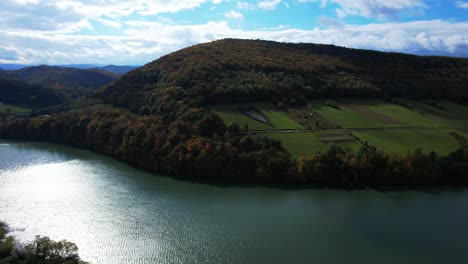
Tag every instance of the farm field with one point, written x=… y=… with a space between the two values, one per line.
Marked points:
x=403 y=141
x=396 y=128
x=14 y=109
x=307 y=143
x=453 y=115
x=280 y=119
x=344 y=117
x=457 y=109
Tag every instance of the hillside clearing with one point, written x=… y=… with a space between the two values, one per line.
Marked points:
x=305 y=143
x=14 y=109
x=404 y=141
x=395 y=127
x=230 y=114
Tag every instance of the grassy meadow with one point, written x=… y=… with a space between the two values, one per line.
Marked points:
x=280 y=119
x=307 y=143
x=396 y=128
x=13 y=109
x=404 y=141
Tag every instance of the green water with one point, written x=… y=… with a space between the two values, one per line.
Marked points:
x=117 y=214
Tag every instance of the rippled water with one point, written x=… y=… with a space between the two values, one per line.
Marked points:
x=117 y=214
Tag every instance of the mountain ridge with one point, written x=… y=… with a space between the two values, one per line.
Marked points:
x=72 y=82
x=233 y=70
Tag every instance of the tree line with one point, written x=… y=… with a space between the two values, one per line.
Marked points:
x=196 y=144
x=161 y=121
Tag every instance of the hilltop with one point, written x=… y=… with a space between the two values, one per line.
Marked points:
x=246 y=110
x=70 y=82
x=234 y=70
x=21 y=93
x=119 y=70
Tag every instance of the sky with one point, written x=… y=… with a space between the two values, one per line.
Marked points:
x=140 y=31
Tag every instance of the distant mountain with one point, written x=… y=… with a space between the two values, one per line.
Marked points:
x=78 y=66
x=71 y=82
x=9 y=67
x=21 y=93
x=120 y=70
x=12 y=67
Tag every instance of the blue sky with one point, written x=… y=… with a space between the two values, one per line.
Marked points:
x=139 y=31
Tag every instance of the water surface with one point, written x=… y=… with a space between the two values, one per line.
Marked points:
x=117 y=214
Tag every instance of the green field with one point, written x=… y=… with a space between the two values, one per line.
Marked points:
x=344 y=117
x=13 y=109
x=411 y=117
x=404 y=141
x=454 y=114
x=278 y=118
x=391 y=127
x=307 y=143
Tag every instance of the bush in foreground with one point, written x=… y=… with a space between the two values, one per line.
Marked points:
x=42 y=250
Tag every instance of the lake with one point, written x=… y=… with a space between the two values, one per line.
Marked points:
x=117 y=214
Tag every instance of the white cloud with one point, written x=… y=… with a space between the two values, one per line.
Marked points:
x=234 y=15
x=110 y=23
x=50 y=31
x=145 y=41
x=462 y=4
x=245 y=5
x=371 y=8
x=25 y=2
x=71 y=15
x=268 y=4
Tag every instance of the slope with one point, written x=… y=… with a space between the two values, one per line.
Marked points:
x=233 y=70
x=71 y=82
x=21 y=93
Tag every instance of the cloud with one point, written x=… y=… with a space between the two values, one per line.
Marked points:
x=37 y=15
x=68 y=15
x=371 y=8
x=8 y=54
x=144 y=41
x=26 y=2
x=110 y=23
x=245 y=5
x=268 y=4
x=234 y=15
x=330 y=22
x=462 y=4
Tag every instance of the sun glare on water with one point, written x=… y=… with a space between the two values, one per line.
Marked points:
x=50 y=181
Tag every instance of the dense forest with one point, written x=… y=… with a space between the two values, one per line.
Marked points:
x=197 y=145
x=22 y=93
x=161 y=118
x=69 y=82
x=234 y=70
x=42 y=250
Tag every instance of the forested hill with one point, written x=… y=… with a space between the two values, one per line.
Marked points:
x=119 y=70
x=71 y=82
x=173 y=129
x=239 y=70
x=22 y=93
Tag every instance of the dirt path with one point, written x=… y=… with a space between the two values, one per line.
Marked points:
x=345 y=129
